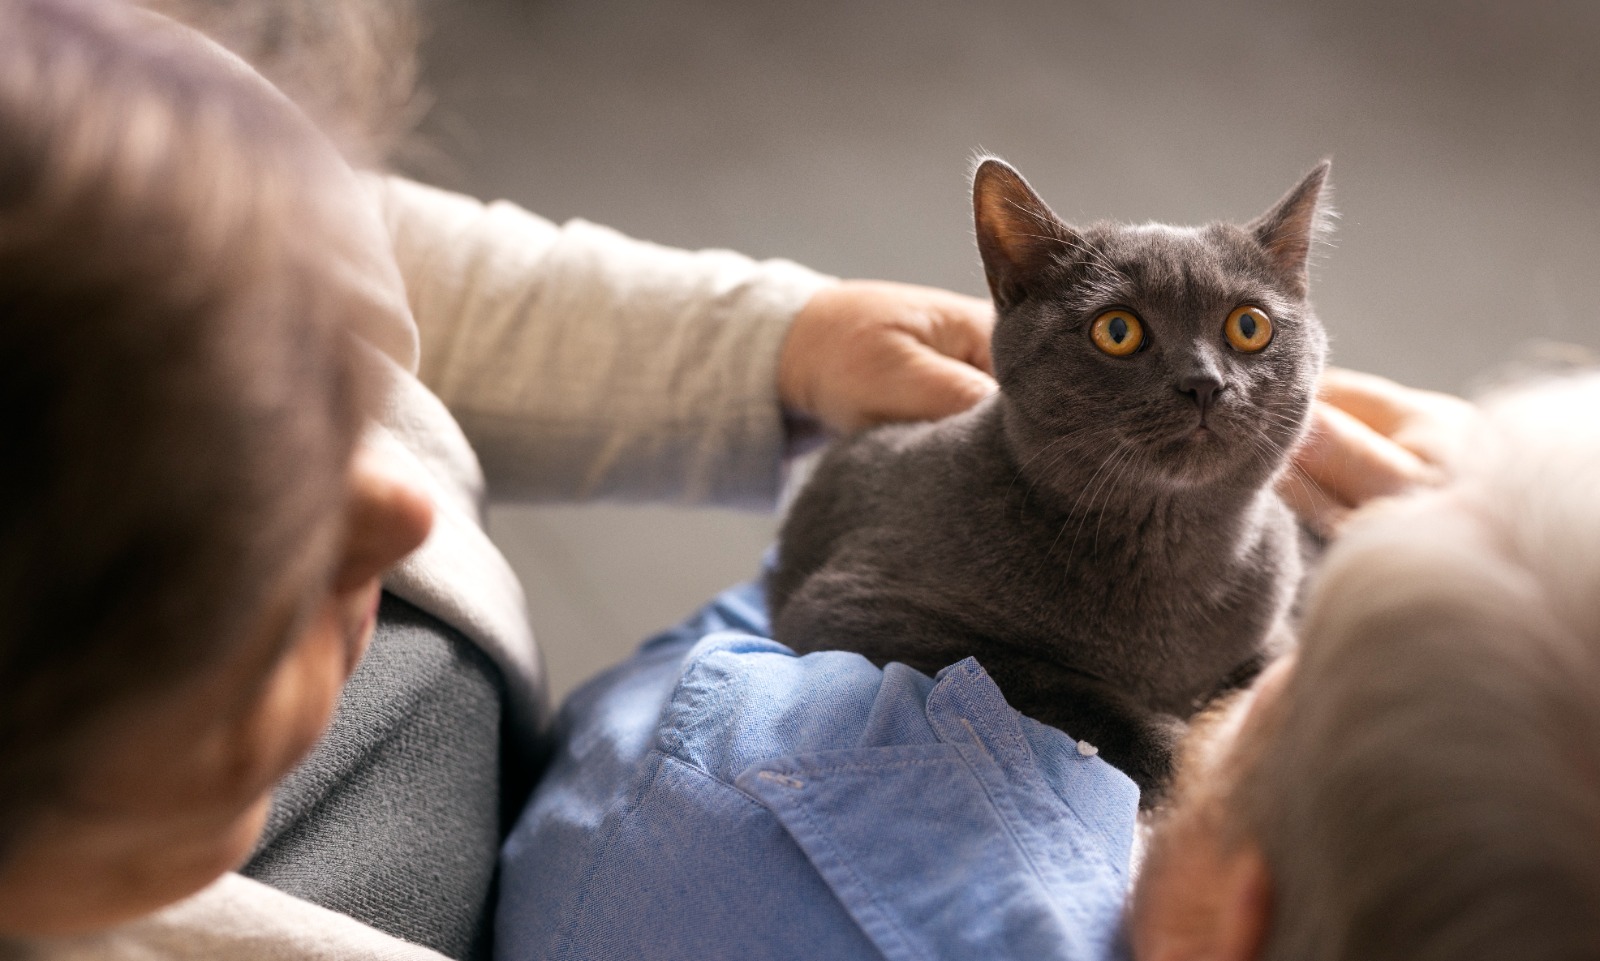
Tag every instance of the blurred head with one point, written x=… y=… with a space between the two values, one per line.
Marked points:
x=1423 y=782
x=350 y=64
x=189 y=542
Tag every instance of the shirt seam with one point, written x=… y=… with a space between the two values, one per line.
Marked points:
x=690 y=765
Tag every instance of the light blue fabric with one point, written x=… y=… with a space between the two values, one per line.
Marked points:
x=717 y=796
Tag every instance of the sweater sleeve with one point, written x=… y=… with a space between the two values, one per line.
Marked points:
x=581 y=363
x=237 y=919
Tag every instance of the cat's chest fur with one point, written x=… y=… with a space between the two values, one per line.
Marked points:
x=937 y=544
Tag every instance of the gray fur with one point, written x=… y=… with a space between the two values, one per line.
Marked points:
x=1110 y=567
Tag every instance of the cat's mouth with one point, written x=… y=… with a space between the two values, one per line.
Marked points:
x=1196 y=454
x=1204 y=441
x=1199 y=442
x=1194 y=441
x=1204 y=429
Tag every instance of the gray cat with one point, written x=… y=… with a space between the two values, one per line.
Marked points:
x=1102 y=534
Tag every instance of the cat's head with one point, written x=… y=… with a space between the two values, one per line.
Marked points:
x=1191 y=352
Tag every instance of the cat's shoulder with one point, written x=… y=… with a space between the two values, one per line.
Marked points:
x=919 y=441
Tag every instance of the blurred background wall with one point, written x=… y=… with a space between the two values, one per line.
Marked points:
x=1465 y=137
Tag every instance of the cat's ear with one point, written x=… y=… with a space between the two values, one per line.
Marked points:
x=1018 y=236
x=1287 y=231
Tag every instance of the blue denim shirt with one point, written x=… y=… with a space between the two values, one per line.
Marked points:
x=717 y=796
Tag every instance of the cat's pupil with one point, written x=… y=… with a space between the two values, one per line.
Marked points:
x=1247 y=326
x=1118 y=329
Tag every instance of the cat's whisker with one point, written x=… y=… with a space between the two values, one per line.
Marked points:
x=1085 y=492
x=1295 y=424
x=1270 y=466
x=1031 y=213
x=1090 y=486
x=1291 y=472
x=1281 y=433
x=1092 y=256
x=1278 y=417
x=1103 y=466
x=1298 y=419
x=1262 y=447
x=1123 y=456
x=1058 y=447
x=1262 y=410
x=1267 y=408
x=1048 y=447
x=1269 y=437
x=1128 y=467
x=1098 y=259
x=1104 y=436
x=1048 y=468
x=1094 y=546
x=1307 y=484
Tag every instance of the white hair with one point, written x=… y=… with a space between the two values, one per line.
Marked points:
x=1429 y=785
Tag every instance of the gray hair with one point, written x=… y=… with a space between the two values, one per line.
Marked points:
x=1428 y=786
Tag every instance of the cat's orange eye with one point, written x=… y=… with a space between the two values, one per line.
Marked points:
x=1117 y=332
x=1248 y=329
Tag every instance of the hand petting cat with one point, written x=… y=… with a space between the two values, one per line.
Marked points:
x=1371 y=437
x=868 y=352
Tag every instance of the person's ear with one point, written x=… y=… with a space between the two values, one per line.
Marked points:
x=1244 y=906
x=388 y=517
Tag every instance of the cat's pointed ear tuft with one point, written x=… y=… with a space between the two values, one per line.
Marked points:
x=1018 y=235
x=1288 y=231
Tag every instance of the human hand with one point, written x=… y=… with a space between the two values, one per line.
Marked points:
x=864 y=352
x=1371 y=437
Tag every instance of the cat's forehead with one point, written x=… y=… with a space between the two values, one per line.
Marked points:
x=1163 y=260
x=1154 y=232
x=1155 y=248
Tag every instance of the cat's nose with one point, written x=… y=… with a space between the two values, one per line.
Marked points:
x=1203 y=387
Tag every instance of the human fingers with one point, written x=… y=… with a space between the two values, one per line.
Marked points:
x=1379 y=402
x=1430 y=424
x=918 y=382
x=864 y=352
x=956 y=326
x=1354 y=463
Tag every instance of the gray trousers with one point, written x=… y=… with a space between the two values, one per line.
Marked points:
x=396 y=817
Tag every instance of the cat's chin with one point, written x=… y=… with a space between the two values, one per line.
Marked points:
x=1199 y=457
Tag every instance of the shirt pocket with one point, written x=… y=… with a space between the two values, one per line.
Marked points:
x=918 y=849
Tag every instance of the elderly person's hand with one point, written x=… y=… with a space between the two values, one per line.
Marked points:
x=864 y=352
x=1371 y=437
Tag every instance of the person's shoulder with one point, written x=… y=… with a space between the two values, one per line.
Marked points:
x=741 y=699
x=866 y=794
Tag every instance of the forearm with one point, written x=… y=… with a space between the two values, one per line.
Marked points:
x=582 y=363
